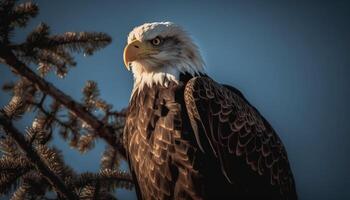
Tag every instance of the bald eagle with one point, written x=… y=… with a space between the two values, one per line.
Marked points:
x=189 y=137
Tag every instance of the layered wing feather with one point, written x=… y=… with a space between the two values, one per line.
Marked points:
x=161 y=158
x=227 y=124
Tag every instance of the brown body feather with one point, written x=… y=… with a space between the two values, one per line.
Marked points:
x=202 y=140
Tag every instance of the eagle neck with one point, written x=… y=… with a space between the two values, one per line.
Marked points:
x=160 y=78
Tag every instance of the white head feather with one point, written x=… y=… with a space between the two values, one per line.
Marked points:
x=166 y=65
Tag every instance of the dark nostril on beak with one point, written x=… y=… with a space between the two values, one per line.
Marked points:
x=136 y=46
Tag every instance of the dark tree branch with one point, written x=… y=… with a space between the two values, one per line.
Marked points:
x=41 y=108
x=105 y=175
x=27 y=159
x=105 y=132
x=33 y=156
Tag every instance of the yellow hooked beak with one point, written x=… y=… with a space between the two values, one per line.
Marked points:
x=135 y=50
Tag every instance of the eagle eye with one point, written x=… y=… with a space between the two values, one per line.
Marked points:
x=156 y=41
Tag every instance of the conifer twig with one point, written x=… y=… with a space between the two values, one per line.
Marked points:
x=105 y=132
x=33 y=156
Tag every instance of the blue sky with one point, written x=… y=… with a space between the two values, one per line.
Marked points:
x=290 y=59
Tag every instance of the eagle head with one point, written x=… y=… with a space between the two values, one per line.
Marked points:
x=159 y=52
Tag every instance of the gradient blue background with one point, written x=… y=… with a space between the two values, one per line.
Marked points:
x=290 y=58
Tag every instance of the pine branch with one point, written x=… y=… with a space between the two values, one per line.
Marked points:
x=86 y=42
x=95 y=193
x=77 y=42
x=122 y=179
x=6 y=7
x=16 y=107
x=101 y=129
x=22 y=92
x=33 y=186
x=22 y=13
x=12 y=16
x=106 y=178
x=11 y=170
x=9 y=148
x=27 y=163
x=34 y=158
x=86 y=142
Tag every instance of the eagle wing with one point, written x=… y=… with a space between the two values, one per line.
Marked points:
x=223 y=121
